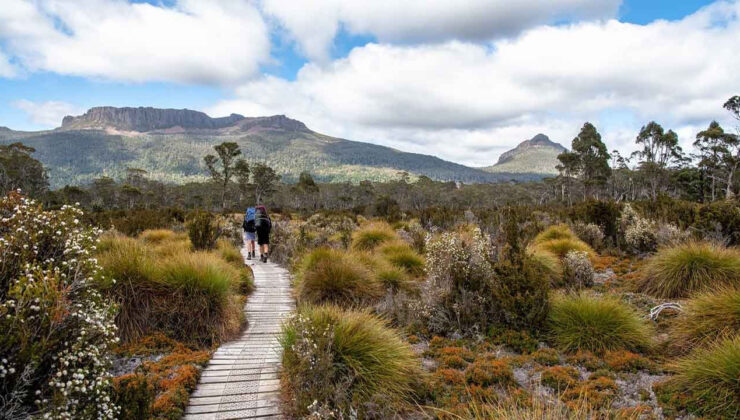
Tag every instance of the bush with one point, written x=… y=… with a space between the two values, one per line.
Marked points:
x=685 y=269
x=720 y=220
x=57 y=330
x=708 y=317
x=342 y=360
x=332 y=276
x=520 y=293
x=577 y=270
x=371 y=235
x=581 y=322
x=485 y=372
x=203 y=230
x=639 y=234
x=589 y=233
x=402 y=256
x=669 y=235
x=707 y=381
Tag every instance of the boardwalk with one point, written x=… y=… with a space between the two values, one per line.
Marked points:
x=241 y=381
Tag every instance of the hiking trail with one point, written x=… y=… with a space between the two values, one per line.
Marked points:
x=241 y=380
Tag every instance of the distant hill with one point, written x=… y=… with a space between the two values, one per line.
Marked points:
x=536 y=155
x=170 y=145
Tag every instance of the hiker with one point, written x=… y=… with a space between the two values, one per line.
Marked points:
x=250 y=231
x=263 y=224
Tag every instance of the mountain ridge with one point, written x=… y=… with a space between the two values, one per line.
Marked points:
x=538 y=154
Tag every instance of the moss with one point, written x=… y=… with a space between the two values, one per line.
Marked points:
x=586 y=359
x=489 y=372
x=560 y=378
x=461 y=352
x=626 y=361
x=454 y=361
x=596 y=392
x=517 y=340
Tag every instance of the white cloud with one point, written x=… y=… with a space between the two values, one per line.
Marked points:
x=47 y=114
x=6 y=69
x=467 y=101
x=220 y=41
x=313 y=23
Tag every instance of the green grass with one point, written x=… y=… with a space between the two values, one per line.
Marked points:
x=561 y=247
x=550 y=264
x=707 y=382
x=553 y=233
x=229 y=252
x=582 y=322
x=332 y=276
x=680 y=271
x=156 y=236
x=371 y=235
x=708 y=317
x=200 y=273
x=341 y=358
x=401 y=255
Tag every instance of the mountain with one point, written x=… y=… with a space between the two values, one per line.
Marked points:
x=170 y=144
x=536 y=155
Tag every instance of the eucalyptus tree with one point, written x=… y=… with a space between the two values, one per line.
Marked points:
x=224 y=166
x=719 y=157
x=660 y=151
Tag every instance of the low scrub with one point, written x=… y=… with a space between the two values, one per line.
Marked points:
x=708 y=317
x=692 y=267
x=340 y=361
x=707 y=382
x=333 y=276
x=582 y=322
x=371 y=235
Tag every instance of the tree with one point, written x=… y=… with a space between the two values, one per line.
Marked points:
x=306 y=191
x=18 y=170
x=593 y=157
x=568 y=167
x=264 y=180
x=719 y=156
x=660 y=150
x=733 y=158
x=227 y=154
x=242 y=172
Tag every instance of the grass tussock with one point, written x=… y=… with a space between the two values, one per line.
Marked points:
x=707 y=382
x=371 y=235
x=555 y=232
x=158 y=236
x=189 y=296
x=708 y=317
x=582 y=322
x=679 y=271
x=346 y=359
x=561 y=247
x=403 y=256
x=551 y=265
x=229 y=252
x=332 y=276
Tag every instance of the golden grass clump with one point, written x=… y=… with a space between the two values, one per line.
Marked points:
x=156 y=236
x=229 y=252
x=685 y=269
x=371 y=235
x=403 y=256
x=708 y=317
x=582 y=322
x=550 y=263
x=344 y=359
x=332 y=276
x=555 y=232
x=561 y=247
x=707 y=381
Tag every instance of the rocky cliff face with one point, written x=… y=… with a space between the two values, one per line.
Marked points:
x=146 y=119
x=280 y=122
x=540 y=141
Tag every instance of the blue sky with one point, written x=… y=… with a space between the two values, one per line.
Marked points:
x=275 y=57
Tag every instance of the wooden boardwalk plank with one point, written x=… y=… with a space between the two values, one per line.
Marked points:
x=241 y=380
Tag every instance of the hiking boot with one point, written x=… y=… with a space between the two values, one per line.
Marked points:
x=249 y=255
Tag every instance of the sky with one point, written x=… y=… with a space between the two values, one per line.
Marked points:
x=464 y=80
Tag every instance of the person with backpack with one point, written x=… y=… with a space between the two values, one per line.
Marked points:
x=263 y=224
x=250 y=230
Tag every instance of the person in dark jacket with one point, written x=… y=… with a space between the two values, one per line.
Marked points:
x=264 y=225
x=250 y=231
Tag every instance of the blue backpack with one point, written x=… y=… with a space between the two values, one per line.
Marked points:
x=248 y=224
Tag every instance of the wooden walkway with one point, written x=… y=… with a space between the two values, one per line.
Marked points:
x=241 y=381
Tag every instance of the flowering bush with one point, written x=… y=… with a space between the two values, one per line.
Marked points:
x=577 y=270
x=57 y=330
x=589 y=233
x=671 y=235
x=639 y=233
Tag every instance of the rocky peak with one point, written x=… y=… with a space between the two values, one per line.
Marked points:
x=280 y=122
x=538 y=141
x=146 y=119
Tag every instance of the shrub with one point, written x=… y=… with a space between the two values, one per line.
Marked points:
x=708 y=317
x=520 y=293
x=332 y=276
x=57 y=330
x=707 y=382
x=401 y=255
x=626 y=361
x=682 y=270
x=371 y=235
x=344 y=360
x=596 y=392
x=581 y=322
x=589 y=233
x=577 y=270
x=203 y=230
x=546 y=356
x=641 y=236
x=670 y=235
x=721 y=220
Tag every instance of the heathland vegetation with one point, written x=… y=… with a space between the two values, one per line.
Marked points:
x=607 y=292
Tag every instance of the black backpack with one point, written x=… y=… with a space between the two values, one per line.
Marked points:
x=262 y=220
x=249 y=225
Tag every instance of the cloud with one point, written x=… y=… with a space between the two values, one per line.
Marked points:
x=48 y=114
x=467 y=101
x=217 y=42
x=314 y=23
x=6 y=69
